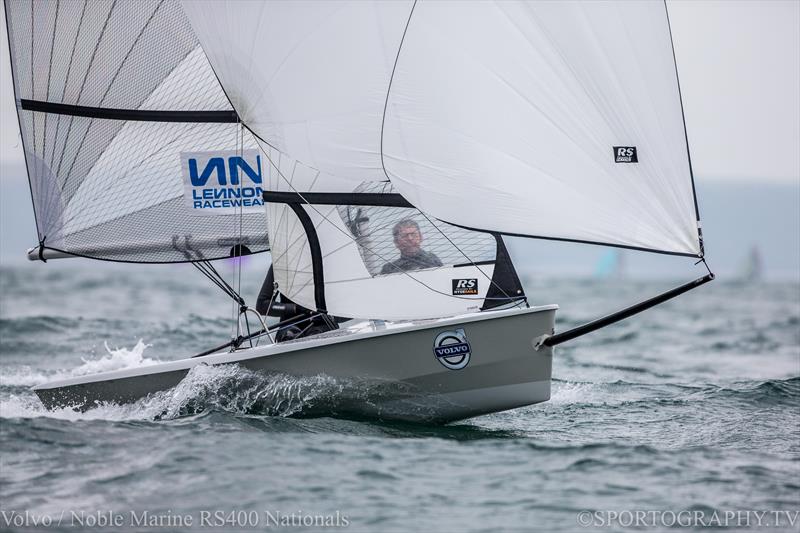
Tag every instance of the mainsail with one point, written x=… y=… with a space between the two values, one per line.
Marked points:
x=133 y=151
x=557 y=120
x=335 y=249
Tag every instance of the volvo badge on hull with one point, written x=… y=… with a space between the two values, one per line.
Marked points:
x=452 y=349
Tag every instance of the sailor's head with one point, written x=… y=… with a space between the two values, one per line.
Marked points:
x=407 y=237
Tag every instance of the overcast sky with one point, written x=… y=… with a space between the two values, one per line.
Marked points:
x=739 y=66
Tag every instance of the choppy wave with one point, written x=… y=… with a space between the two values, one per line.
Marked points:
x=36 y=325
x=226 y=388
x=773 y=391
x=113 y=359
x=236 y=390
x=769 y=392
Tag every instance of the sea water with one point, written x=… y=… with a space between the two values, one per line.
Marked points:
x=683 y=415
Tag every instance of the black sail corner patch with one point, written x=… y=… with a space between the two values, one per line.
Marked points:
x=625 y=154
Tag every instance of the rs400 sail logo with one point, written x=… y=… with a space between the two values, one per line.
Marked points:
x=465 y=286
x=625 y=154
x=452 y=349
x=222 y=182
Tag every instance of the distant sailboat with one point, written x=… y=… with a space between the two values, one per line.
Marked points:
x=612 y=265
x=752 y=270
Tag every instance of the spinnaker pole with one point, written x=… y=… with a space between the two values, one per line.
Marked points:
x=589 y=327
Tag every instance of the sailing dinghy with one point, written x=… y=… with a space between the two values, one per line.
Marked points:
x=391 y=145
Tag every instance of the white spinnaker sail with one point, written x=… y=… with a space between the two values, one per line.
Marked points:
x=351 y=277
x=109 y=187
x=308 y=77
x=558 y=120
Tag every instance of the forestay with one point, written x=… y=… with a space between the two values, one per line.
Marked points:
x=343 y=258
x=559 y=120
x=133 y=151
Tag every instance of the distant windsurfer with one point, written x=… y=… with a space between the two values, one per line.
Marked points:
x=408 y=239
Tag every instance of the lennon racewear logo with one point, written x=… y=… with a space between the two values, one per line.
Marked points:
x=452 y=349
x=224 y=182
x=625 y=154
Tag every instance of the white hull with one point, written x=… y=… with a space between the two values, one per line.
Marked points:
x=503 y=370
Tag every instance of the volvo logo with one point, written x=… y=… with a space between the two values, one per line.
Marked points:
x=452 y=349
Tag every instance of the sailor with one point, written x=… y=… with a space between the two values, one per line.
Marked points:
x=408 y=239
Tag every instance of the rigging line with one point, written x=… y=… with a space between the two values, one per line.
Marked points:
x=111 y=84
x=289 y=245
x=295 y=221
x=33 y=86
x=491 y=281
x=288 y=323
x=298 y=270
x=207 y=269
x=389 y=87
x=281 y=223
x=36 y=216
x=284 y=324
x=269 y=306
x=49 y=75
x=235 y=319
x=368 y=249
x=280 y=219
x=238 y=258
x=296 y=266
x=216 y=273
x=685 y=132
x=580 y=241
x=301 y=237
x=83 y=86
x=289 y=231
x=213 y=280
x=705 y=264
x=235 y=323
x=66 y=82
x=211 y=273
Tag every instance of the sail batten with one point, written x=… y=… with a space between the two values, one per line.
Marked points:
x=147 y=115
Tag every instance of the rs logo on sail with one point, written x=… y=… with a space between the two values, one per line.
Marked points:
x=222 y=182
x=465 y=286
x=625 y=154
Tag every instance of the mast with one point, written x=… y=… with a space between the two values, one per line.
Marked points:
x=685 y=133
